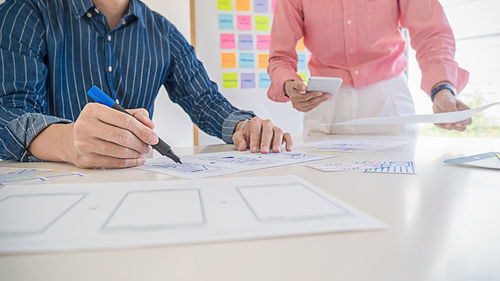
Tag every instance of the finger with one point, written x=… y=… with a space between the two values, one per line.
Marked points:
x=102 y=147
x=277 y=139
x=255 y=127
x=125 y=121
x=299 y=86
x=308 y=96
x=267 y=136
x=287 y=138
x=101 y=161
x=119 y=136
x=142 y=115
x=239 y=141
x=314 y=103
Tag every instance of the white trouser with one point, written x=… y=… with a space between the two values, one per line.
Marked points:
x=386 y=98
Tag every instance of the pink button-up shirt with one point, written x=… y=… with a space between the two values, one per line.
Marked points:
x=360 y=42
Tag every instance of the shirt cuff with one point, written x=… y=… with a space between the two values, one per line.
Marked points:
x=231 y=121
x=276 y=91
x=450 y=72
x=25 y=128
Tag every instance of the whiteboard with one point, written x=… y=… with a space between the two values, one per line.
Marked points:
x=211 y=22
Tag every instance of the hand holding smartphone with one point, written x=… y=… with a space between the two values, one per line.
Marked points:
x=324 y=84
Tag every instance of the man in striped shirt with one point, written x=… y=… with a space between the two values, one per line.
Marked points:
x=52 y=52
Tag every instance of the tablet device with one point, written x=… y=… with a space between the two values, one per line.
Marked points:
x=324 y=84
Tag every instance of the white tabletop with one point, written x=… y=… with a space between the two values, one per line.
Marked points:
x=444 y=224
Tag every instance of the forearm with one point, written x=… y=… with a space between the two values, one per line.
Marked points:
x=53 y=143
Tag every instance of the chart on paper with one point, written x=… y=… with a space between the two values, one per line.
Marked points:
x=354 y=145
x=222 y=163
x=133 y=214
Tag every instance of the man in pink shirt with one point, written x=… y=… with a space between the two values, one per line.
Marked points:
x=360 y=42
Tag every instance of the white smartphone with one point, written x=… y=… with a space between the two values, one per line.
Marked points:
x=324 y=84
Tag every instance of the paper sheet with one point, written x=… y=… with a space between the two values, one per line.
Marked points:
x=385 y=167
x=488 y=160
x=133 y=214
x=10 y=175
x=447 y=117
x=223 y=163
x=354 y=145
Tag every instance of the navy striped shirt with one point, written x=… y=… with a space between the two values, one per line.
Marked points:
x=53 y=51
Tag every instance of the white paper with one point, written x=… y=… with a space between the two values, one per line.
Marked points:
x=354 y=145
x=344 y=166
x=392 y=167
x=446 y=117
x=134 y=214
x=223 y=163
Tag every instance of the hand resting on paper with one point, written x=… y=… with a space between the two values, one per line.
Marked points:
x=445 y=101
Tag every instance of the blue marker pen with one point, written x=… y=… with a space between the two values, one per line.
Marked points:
x=100 y=97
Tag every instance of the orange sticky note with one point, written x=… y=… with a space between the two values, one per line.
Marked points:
x=242 y=5
x=228 y=60
x=300 y=45
x=263 y=61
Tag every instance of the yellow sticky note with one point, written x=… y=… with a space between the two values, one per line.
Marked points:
x=242 y=5
x=300 y=45
x=262 y=23
x=230 y=80
x=228 y=60
x=498 y=156
x=263 y=61
x=303 y=76
x=224 y=5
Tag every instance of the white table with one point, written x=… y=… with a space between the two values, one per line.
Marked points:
x=444 y=225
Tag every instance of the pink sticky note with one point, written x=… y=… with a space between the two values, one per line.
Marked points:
x=244 y=22
x=273 y=5
x=227 y=41
x=263 y=42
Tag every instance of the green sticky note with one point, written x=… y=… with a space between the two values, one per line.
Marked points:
x=262 y=23
x=230 y=80
x=303 y=76
x=224 y=5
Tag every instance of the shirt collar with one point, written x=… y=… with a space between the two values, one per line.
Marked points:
x=81 y=7
x=135 y=9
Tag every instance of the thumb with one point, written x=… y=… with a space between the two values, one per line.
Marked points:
x=299 y=86
x=239 y=141
x=143 y=116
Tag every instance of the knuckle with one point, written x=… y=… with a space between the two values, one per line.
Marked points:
x=125 y=120
x=124 y=137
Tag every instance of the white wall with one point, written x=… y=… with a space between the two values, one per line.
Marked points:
x=172 y=123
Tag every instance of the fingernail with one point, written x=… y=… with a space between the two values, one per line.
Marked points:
x=264 y=150
x=153 y=139
x=241 y=146
x=254 y=148
x=277 y=148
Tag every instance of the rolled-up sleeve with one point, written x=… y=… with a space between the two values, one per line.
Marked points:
x=188 y=85
x=22 y=85
x=434 y=43
x=286 y=31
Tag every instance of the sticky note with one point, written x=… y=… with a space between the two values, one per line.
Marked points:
x=247 y=60
x=227 y=41
x=498 y=156
x=243 y=5
x=300 y=45
x=262 y=61
x=224 y=5
x=264 y=81
x=226 y=22
x=230 y=80
x=244 y=22
x=273 y=6
x=261 y=6
x=245 y=42
x=303 y=76
x=302 y=64
x=247 y=80
x=228 y=60
x=262 y=23
x=263 y=42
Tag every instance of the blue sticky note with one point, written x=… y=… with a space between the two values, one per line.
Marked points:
x=226 y=22
x=247 y=60
x=302 y=61
x=245 y=42
x=247 y=80
x=264 y=80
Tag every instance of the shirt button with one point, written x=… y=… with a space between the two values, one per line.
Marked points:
x=96 y=10
x=124 y=22
x=355 y=72
x=348 y=21
x=109 y=37
x=351 y=50
x=110 y=68
x=89 y=14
